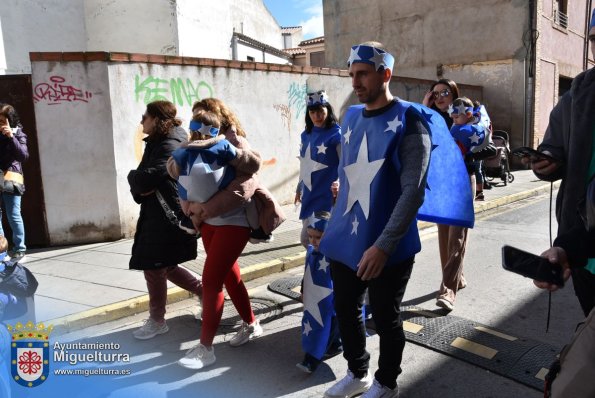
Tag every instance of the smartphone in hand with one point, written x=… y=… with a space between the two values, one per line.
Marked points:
x=531 y=266
x=533 y=154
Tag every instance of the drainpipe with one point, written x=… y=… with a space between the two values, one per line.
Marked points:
x=530 y=61
x=586 y=45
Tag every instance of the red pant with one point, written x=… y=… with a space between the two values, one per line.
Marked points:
x=223 y=245
x=157 y=287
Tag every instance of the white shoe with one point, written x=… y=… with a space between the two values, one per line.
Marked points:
x=198 y=357
x=379 y=391
x=349 y=386
x=246 y=333
x=150 y=329
x=198 y=313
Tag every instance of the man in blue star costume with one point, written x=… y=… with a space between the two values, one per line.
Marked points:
x=372 y=236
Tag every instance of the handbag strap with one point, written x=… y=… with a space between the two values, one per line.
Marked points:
x=169 y=213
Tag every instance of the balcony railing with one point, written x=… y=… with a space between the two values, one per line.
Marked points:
x=561 y=19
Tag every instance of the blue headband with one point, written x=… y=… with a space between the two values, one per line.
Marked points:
x=316 y=99
x=318 y=224
x=203 y=128
x=592 y=24
x=459 y=109
x=380 y=59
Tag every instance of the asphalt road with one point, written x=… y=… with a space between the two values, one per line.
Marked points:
x=266 y=367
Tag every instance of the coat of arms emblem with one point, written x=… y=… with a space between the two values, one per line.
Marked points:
x=30 y=353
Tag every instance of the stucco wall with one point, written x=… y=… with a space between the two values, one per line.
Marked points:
x=73 y=114
x=87 y=194
x=131 y=26
x=33 y=25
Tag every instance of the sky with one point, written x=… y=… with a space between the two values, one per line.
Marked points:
x=304 y=13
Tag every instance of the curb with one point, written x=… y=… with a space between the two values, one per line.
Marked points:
x=139 y=304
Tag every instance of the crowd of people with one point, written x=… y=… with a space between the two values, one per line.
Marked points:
x=360 y=189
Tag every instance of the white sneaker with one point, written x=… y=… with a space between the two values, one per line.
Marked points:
x=349 y=386
x=150 y=329
x=379 y=391
x=246 y=333
x=198 y=357
x=198 y=313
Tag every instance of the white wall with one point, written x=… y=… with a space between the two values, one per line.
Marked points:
x=131 y=26
x=76 y=151
x=91 y=139
x=34 y=25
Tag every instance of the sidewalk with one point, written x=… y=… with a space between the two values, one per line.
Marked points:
x=85 y=285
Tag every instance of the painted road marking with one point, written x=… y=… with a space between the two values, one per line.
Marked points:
x=412 y=327
x=495 y=333
x=474 y=348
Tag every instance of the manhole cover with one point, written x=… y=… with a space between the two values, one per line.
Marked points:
x=287 y=287
x=264 y=309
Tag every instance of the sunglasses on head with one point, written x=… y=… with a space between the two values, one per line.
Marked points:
x=441 y=93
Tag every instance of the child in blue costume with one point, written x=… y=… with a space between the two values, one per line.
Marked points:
x=319 y=159
x=467 y=128
x=16 y=283
x=320 y=332
x=206 y=165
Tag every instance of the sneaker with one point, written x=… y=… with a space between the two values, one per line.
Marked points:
x=444 y=302
x=150 y=329
x=198 y=357
x=349 y=386
x=259 y=236
x=379 y=391
x=479 y=196
x=187 y=226
x=17 y=256
x=246 y=333
x=309 y=364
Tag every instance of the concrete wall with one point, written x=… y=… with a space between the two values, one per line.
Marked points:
x=456 y=40
x=33 y=25
x=87 y=194
x=131 y=26
x=552 y=63
x=73 y=113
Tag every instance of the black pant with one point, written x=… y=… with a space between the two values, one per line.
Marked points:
x=584 y=288
x=385 y=293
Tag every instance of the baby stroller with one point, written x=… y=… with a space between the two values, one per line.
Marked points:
x=497 y=166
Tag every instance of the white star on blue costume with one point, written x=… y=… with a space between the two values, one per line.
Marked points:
x=360 y=175
x=321 y=148
x=353 y=56
x=394 y=125
x=347 y=135
x=314 y=294
x=318 y=168
x=378 y=59
x=309 y=166
x=202 y=180
x=318 y=304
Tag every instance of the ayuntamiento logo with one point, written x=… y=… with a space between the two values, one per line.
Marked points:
x=30 y=353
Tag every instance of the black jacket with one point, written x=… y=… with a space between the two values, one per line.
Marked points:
x=157 y=242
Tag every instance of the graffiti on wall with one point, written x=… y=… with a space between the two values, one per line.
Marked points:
x=57 y=91
x=285 y=112
x=177 y=90
x=296 y=96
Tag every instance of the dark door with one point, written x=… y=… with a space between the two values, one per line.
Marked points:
x=17 y=91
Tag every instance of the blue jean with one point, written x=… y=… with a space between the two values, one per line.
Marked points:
x=12 y=205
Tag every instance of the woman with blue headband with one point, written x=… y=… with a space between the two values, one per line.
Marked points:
x=319 y=159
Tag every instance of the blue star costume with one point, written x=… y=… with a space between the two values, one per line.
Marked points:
x=205 y=170
x=369 y=167
x=318 y=168
x=318 y=304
